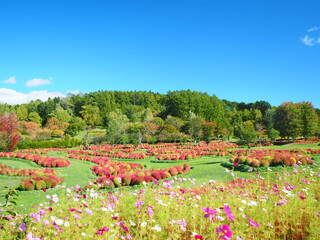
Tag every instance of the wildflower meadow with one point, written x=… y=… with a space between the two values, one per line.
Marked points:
x=136 y=201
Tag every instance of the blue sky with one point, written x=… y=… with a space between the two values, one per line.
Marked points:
x=238 y=50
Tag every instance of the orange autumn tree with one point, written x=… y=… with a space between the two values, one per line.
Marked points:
x=9 y=136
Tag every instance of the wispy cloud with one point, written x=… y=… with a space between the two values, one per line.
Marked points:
x=37 y=82
x=12 y=97
x=75 y=92
x=313 y=29
x=10 y=80
x=312 y=37
x=308 y=40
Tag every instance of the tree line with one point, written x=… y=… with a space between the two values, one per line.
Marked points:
x=141 y=116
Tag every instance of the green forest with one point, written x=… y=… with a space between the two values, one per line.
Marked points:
x=135 y=117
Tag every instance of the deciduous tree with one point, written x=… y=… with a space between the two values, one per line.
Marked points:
x=9 y=136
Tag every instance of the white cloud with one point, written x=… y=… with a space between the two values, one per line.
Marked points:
x=311 y=37
x=313 y=29
x=12 y=97
x=37 y=82
x=73 y=92
x=308 y=40
x=10 y=80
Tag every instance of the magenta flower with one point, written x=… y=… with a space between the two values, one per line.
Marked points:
x=281 y=202
x=198 y=237
x=305 y=181
x=225 y=232
x=302 y=197
x=209 y=213
x=228 y=212
x=101 y=230
x=123 y=226
x=253 y=223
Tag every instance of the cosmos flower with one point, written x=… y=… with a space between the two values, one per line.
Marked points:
x=225 y=232
x=228 y=212
x=210 y=213
x=253 y=223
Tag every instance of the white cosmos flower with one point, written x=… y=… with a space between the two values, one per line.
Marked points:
x=157 y=228
x=59 y=221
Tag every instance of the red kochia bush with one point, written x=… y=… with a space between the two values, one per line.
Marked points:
x=38 y=182
x=269 y=157
x=137 y=178
x=44 y=161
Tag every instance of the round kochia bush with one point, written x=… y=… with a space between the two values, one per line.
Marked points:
x=44 y=161
x=266 y=158
x=137 y=178
x=40 y=182
x=38 y=178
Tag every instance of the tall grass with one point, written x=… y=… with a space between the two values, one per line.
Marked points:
x=282 y=207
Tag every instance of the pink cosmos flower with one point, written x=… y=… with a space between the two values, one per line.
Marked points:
x=210 y=213
x=31 y=237
x=225 y=232
x=281 y=202
x=252 y=223
x=150 y=211
x=42 y=212
x=228 y=212
x=46 y=222
x=22 y=227
x=89 y=212
x=36 y=216
x=139 y=204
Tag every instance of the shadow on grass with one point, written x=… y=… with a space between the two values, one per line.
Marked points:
x=211 y=163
